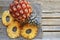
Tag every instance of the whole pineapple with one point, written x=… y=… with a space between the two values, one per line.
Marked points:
x=20 y=10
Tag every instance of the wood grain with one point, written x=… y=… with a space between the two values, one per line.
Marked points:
x=51 y=34
x=50 y=14
x=51 y=28
x=50 y=19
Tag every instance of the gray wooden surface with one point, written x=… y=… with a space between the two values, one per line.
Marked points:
x=4 y=35
x=50 y=18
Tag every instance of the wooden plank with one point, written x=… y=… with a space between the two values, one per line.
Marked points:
x=6 y=0
x=51 y=34
x=50 y=5
x=36 y=0
x=1 y=13
x=50 y=39
x=50 y=0
x=0 y=7
x=51 y=28
x=50 y=15
x=5 y=3
x=51 y=22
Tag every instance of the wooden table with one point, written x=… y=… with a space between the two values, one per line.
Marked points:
x=50 y=18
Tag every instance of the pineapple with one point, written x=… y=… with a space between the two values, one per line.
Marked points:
x=20 y=10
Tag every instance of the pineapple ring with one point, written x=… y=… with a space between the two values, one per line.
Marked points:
x=13 y=30
x=29 y=31
x=4 y=16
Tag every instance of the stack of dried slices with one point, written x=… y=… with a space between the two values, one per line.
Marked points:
x=17 y=20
